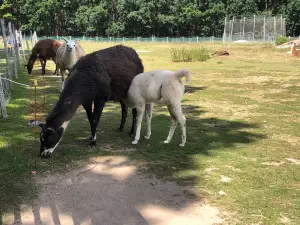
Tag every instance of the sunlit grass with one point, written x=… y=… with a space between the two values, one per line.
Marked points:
x=242 y=123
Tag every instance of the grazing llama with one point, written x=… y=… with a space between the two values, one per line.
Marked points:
x=96 y=78
x=43 y=50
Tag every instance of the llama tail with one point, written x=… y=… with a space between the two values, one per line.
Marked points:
x=183 y=73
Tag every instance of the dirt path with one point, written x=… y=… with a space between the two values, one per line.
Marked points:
x=109 y=191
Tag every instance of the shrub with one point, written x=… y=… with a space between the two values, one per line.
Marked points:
x=190 y=55
x=279 y=40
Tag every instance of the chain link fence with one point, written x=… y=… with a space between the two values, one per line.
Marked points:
x=255 y=29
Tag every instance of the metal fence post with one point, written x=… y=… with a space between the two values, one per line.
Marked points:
x=254 y=28
x=232 y=22
x=224 y=34
x=244 y=27
x=264 y=28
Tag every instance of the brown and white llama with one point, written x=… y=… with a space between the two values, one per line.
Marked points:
x=295 y=52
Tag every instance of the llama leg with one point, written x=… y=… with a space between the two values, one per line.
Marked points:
x=89 y=112
x=124 y=115
x=149 y=108
x=133 y=126
x=173 y=125
x=140 y=113
x=98 y=108
x=176 y=110
x=55 y=72
x=45 y=66
x=42 y=65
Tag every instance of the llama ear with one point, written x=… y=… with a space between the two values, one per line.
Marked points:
x=65 y=39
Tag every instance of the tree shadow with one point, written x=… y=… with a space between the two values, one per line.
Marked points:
x=108 y=191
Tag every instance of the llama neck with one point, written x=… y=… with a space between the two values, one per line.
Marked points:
x=293 y=48
x=71 y=59
x=62 y=112
x=32 y=59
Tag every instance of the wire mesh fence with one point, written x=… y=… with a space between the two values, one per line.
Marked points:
x=256 y=28
x=10 y=57
x=134 y=39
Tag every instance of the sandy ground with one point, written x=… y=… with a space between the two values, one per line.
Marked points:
x=109 y=191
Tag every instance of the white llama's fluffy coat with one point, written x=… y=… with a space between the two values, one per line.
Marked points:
x=67 y=55
x=149 y=87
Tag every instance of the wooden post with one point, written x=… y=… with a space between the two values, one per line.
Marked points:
x=9 y=68
x=13 y=50
x=2 y=101
x=5 y=42
x=22 y=45
x=28 y=49
x=31 y=40
x=17 y=41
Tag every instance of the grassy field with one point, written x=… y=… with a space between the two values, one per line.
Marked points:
x=243 y=133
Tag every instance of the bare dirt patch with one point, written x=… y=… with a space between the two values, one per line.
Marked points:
x=110 y=191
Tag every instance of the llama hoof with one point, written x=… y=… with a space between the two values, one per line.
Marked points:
x=166 y=142
x=92 y=142
x=181 y=145
x=134 y=142
x=147 y=137
x=46 y=154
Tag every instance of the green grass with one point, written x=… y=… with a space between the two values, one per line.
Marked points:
x=242 y=119
x=190 y=54
x=279 y=40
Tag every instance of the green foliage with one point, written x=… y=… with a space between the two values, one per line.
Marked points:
x=92 y=20
x=140 y=17
x=279 y=40
x=190 y=54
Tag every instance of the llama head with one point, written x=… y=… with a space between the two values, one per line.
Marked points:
x=293 y=44
x=49 y=137
x=29 y=65
x=71 y=45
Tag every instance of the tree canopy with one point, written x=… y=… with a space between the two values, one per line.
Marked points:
x=141 y=17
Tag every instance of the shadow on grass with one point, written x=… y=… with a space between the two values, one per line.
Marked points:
x=193 y=89
x=19 y=156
